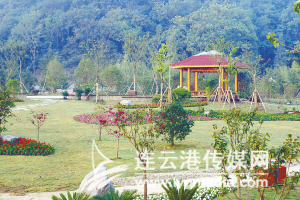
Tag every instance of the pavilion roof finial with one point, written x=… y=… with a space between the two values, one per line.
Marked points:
x=212 y=52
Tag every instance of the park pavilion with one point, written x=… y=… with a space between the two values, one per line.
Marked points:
x=205 y=62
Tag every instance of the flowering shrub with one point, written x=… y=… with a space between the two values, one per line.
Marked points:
x=136 y=106
x=26 y=147
x=202 y=193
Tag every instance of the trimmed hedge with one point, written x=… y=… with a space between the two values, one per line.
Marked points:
x=26 y=147
x=259 y=115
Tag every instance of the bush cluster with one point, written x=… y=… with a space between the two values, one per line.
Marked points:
x=26 y=147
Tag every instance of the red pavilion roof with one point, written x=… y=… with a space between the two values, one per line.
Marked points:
x=206 y=61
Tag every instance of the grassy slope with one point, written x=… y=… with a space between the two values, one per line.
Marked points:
x=73 y=143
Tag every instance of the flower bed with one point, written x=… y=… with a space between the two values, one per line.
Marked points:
x=26 y=147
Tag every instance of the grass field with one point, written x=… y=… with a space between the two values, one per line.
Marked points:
x=65 y=169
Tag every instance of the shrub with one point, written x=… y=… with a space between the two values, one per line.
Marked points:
x=26 y=147
x=18 y=100
x=181 y=193
x=114 y=195
x=181 y=94
x=65 y=94
x=156 y=98
x=78 y=93
x=175 y=120
x=87 y=91
x=82 y=196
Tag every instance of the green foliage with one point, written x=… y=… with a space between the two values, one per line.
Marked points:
x=65 y=94
x=181 y=94
x=162 y=61
x=75 y=196
x=14 y=86
x=181 y=193
x=297 y=6
x=55 y=75
x=18 y=100
x=85 y=72
x=155 y=99
x=175 y=120
x=112 y=78
x=273 y=39
x=78 y=92
x=6 y=104
x=114 y=195
x=87 y=91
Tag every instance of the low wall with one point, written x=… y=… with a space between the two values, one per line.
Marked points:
x=21 y=96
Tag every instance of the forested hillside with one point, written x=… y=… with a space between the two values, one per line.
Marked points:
x=48 y=30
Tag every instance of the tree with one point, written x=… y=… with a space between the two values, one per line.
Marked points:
x=38 y=120
x=6 y=104
x=14 y=86
x=175 y=121
x=231 y=69
x=162 y=61
x=55 y=75
x=239 y=136
x=96 y=51
x=275 y=41
x=135 y=48
x=254 y=63
x=85 y=73
x=112 y=78
x=239 y=139
x=218 y=51
x=141 y=137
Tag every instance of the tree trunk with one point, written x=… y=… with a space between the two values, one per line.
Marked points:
x=228 y=96
x=219 y=90
x=134 y=82
x=38 y=136
x=161 y=89
x=239 y=187
x=118 y=146
x=97 y=79
x=100 y=129
x=145 y=182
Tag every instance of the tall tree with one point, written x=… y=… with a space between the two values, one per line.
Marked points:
x=96 y=51
x=162 y=61
x=85 y=73
x=55 y=75
x=135 y=48
x=112 y=78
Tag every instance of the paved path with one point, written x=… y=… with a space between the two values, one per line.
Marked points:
x=211 y=181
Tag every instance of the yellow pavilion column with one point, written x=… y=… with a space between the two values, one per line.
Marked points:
x=196 y=81
x=236 y=82
x=189 y=79
x=180 y=77
x=222 y=78
x=226 y=83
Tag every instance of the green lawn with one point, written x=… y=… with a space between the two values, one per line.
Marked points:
x=72 y=140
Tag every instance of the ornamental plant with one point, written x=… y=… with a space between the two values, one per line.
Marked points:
x=182 y=193
x=25 y=147
x=176 y=123
x=142 y=137
x=65 y=94
x=240 y=136
x=6 y=103
x=38 y=120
